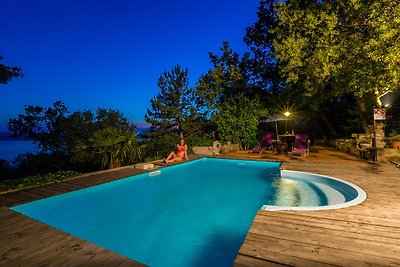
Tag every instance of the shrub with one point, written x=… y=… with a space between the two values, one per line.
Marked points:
x=37 y=180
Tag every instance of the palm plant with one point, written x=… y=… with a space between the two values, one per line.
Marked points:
x=114 y=145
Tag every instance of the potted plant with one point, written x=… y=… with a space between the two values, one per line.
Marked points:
x=394 y=139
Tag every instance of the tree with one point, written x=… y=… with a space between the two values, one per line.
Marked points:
x=335 y=48
x=173 y=108
x=229 y=78
x=57 y=131
x=42 y=125
x=260 y=38
x=7 y=73
x=237 y=120
x=230 y=97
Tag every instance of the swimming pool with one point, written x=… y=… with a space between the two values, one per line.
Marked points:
x=193 y=214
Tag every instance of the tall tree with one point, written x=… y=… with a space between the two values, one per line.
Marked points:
x=7 y=72
x=230 y=97
x=229 y=78
x=259 y=38
x=173 y=108
x=335 y=48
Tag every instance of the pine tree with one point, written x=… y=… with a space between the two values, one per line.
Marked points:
x=172 y=109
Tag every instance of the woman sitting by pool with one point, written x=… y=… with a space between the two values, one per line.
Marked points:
x=182 y=153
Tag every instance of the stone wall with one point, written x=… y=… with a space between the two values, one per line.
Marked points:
x=381 y=155
x=347 y=145
x=388 y=154
x=213 y=150
x=216 y=149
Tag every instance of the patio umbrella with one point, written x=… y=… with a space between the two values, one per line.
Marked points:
x=275 y=119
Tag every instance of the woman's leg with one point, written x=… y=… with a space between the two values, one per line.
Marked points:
x=170 y=157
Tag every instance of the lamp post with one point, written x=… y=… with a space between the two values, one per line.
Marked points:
x=379 y=115
x=287 y=114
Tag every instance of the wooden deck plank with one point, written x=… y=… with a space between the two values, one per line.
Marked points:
x=85 y=183
x=59 y=187
x=44 y=191
x=27 y=196
x=373 y=245
x=343 y=226
x=5 y=201
x=22 y=196
x=305 y=254
x=67 y=186
x=242 y=261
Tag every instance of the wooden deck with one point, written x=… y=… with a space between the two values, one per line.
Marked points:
x=27 y=242
x=363 y=235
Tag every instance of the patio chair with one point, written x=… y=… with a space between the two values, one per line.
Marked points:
x=265 y=144
x=301 y=145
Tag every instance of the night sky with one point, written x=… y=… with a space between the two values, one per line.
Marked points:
x=110 y=54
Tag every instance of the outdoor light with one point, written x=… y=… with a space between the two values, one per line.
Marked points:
x=287 y=113
x=383 y=99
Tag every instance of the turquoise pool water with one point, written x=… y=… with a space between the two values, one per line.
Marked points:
x=193 y=214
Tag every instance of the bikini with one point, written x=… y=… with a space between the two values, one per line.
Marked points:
x=180 y=149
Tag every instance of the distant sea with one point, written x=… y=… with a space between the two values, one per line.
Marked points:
x=12 y=147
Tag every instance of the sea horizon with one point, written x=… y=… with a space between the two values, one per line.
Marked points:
x=11 y=147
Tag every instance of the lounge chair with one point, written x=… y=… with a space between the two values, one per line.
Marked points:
x=301 y=145
x=265 y=144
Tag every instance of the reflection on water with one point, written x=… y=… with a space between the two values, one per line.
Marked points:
x=287 y=193
x=297 y=193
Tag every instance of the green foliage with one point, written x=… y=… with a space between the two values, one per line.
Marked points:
x=393 y=136
x=36 y=180
x=112 y=146
x=228 y=79
x=6 y=170
x=263 y=64
x=326 y=51
x=237 y=120
x=40 y=163
x=7 y=73
x=160 y=146
x=199 y=141
x=56 y=131
x=172 y=109
x=62 y=137
x=231 y=97
x=333 y=48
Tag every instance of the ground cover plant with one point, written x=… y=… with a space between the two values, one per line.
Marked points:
x=36 y=180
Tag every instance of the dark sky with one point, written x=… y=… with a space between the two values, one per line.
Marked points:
x=110 y=54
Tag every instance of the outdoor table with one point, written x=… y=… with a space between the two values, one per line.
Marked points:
x=287 y=139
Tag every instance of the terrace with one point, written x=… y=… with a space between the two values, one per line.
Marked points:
x=366 y=234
